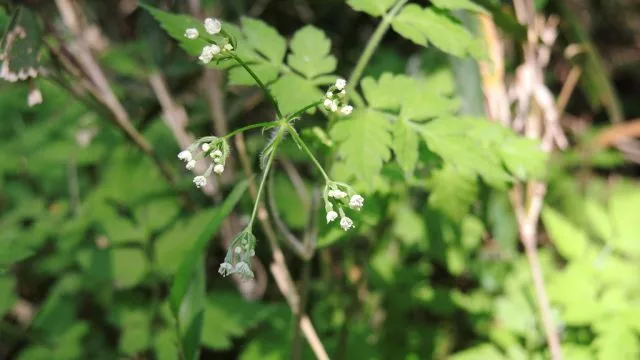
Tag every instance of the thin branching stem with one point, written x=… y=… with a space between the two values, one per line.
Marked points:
x=260 y=83
x=306 y=149
x=371 y=47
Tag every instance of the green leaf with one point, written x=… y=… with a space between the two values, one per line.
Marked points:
x=294 y=92
x=417 y=100
x=311 y=53
x=182 y=280
x=423 y=26
x=266 y=72
x=405 y=146
x=623 y=208
x=227 y=316
x=20 y=46
x=136 y=331
x=7 y=293
x=615 y=340
x=480 y=352
x=371 y=7
x=191 y=311
x=458 y=5
x=571 y=241
x=265 y=39
x=130 y=266
x=175 y=26
x=523 y=157
x=463 y=144
x=364 y=142
x=453 y=191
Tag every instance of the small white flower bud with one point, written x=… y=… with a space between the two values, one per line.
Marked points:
x=338 y=194
x=342 y=93
x=225 y=269
x=329 y=94
x=191 y=164
x=191 y=33
x=341 y=83
x=208 y=52
x=185 y=155
x=228 y=47
x=200 y=181
x=346 y=223
x=356 y=202
x=346 y=110
x=206 y=147
x=327 y=103
x=331 y=215
x=216 y=153
x=218 y=169
x=238 y=249
x=243 y=269
x=213 y=26
x=334 y=106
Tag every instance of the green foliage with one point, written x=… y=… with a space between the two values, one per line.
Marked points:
x=364 y=142
x=435 y=26
x=101 y=256
x=371 y=7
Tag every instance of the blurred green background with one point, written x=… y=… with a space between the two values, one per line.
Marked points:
x=95 y=219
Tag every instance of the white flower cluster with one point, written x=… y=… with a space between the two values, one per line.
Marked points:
x=240 y=252
x=341 y=195
x=335 y=98
x=209 y=52
x=214 y=148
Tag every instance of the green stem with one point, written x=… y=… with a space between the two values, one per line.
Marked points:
x=372 y=45
x=259 y=82
x=249 y=127
x=293 y=133
x=265 y=173
x=304 y=109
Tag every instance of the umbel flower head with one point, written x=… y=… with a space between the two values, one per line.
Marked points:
x=239 y=256
x=341 y=196
x=217 y=49
x=216 y=149
x=335 y=99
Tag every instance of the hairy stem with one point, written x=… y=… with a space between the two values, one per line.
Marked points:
x=305 y=148
x=265 y=173
x=249 y=127
x=372 y=45
x=260 y=84
x=304 y=109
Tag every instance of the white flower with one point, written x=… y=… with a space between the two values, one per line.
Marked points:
x=334 y=106
x=243 y=269
x=337 y=194
x=34 y=98
x=191 y=33
x=213 y=26
x=191 y=164
x=346 y=110
x=331 y=215
x=356 y=202
x=341 y=83
x=200 y=181
x=206 y=147
x=346 y=223
x=238 y=249
x=225 y=269
x=228 y=47
x=218 y=169
x=208 y=52
x=342 y=93
x=329 y=94
x=185 y=155
x=327 y=103
x=216 y=153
